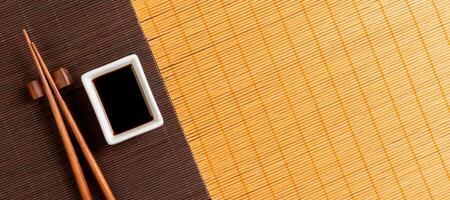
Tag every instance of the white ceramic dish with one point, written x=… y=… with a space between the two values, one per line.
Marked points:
x=88 y=82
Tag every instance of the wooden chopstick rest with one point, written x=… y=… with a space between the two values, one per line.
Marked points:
x=61 y=77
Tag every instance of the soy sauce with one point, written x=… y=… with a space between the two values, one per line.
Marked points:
x=122 y=99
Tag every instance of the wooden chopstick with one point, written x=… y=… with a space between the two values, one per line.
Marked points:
x=76 y=131
x=72 y=156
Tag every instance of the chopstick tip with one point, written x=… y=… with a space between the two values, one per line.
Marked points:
x=25 y=33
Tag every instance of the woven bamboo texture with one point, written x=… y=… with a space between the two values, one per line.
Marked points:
x=309 y=99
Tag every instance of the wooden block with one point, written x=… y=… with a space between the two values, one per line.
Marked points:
x=61 y=77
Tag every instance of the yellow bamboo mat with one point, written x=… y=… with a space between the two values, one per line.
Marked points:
x=314 y=99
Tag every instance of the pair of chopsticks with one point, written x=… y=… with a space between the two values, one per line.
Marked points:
x=50 y=89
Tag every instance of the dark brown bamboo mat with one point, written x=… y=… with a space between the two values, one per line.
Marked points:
x=82 y=35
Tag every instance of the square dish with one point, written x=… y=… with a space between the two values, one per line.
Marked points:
x=122 y=99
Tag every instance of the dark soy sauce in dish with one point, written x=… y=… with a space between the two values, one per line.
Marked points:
x=122 y=99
